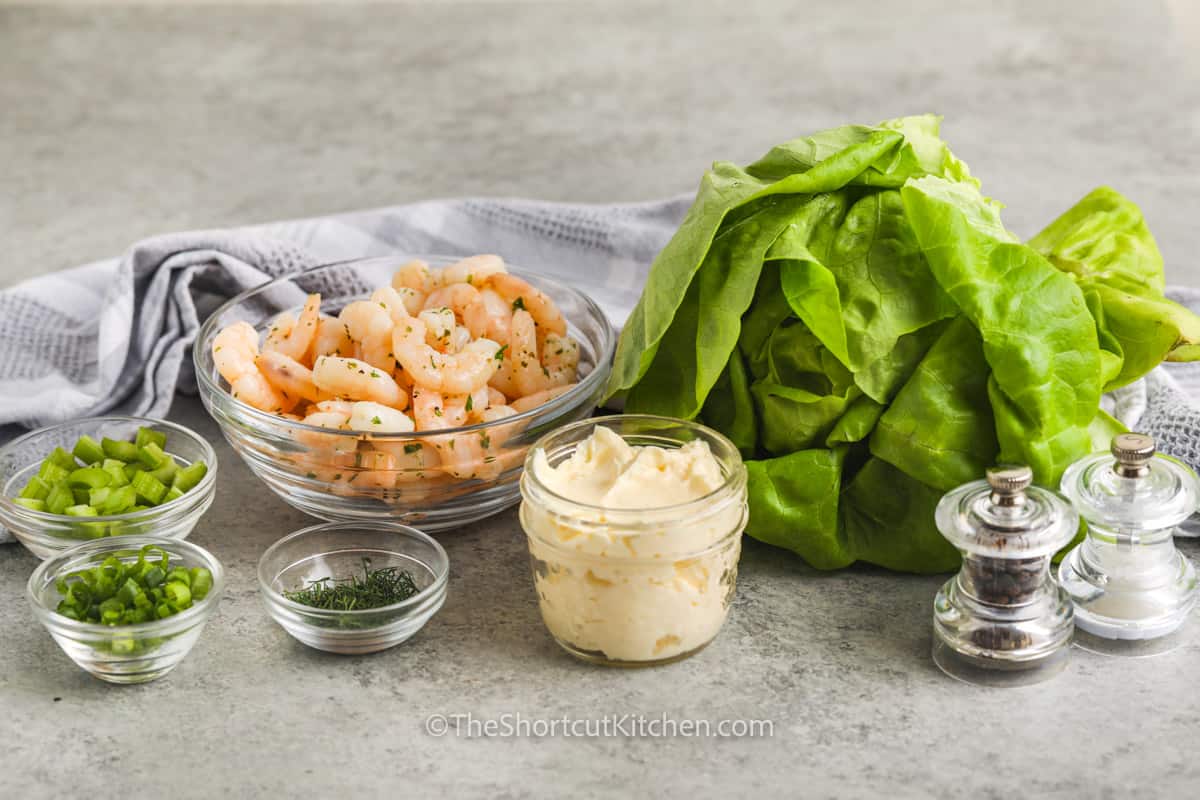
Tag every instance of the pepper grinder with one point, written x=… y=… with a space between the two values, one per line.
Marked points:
x=1002 y=620
x=1131 y=588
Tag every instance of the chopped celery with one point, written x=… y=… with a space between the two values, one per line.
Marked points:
x=116 y=471
x=122 y=451
x=152 y=456
x=148 y=488
x=119 y=500
x=36 y=489
x=147 y=436
x=30 y=503
x=59 y=498
x=53 y=472
x=62 y=458
x=81 y=511
x=191 y=475
x=119 y=477
x=165 y=472
x=88 y=450
x=91 y=477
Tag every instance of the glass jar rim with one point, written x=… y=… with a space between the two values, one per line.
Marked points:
x=728 y=457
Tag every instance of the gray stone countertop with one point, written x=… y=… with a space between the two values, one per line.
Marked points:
x=121 y=123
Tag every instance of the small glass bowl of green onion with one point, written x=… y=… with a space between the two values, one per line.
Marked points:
x=101 y=477
x=127 y=609
x=353 y=587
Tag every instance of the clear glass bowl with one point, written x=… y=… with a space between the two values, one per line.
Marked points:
x=634 y=587
x=46 y=534
x=295 y=459
x=336 y=550
x=125 y=653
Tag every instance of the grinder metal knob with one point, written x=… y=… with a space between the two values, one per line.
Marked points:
x=1133 y=452
x=1009 y=484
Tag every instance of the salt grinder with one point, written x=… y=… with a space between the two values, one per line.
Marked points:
x=1131 y=588
x=1002 y=620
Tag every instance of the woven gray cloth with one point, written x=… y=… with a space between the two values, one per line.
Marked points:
x=114 y=336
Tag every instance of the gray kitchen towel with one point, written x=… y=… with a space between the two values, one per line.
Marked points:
x=114 y=336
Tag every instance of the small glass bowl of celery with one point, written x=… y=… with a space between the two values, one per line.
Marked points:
x=101 y=477
x=171 y=586
x=359 y=557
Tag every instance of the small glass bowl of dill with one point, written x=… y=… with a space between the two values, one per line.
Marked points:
x=353 y=587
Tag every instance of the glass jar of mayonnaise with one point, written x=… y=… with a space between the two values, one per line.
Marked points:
x=634 y=526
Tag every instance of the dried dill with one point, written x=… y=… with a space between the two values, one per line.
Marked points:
x=375 y=588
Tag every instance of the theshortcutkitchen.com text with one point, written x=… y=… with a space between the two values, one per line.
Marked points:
x=629 y=726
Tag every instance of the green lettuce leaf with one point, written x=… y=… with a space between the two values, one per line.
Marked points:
x=1103 y=243
x=851 y=311
x=1038 y=337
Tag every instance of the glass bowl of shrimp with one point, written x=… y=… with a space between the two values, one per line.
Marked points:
x=401 y=388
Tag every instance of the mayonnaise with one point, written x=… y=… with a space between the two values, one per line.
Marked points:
x=627 y=566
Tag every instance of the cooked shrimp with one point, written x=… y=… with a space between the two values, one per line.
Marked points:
x=401 y=303
x=357 y=380
x=496 y=397
x=439 y=327
x=292 y=379
x=414 y=460
x=522 y=296
x=333 y=339
x=235 y=350
x=483 y=455
x=474 y=403
x=414 y=275
x=475 y=270
x=560 y=359
x=374 y=469
x=370 y=325
x=460 y=337
x=456 y=373
x=489 y=317
x=376 y=418
x=343 y=407
x=532 y=401
x=296 y=341
x=528 y=375
x=434 y=411
x=333 y=445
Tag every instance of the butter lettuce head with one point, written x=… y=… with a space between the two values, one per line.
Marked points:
x=851 y=311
